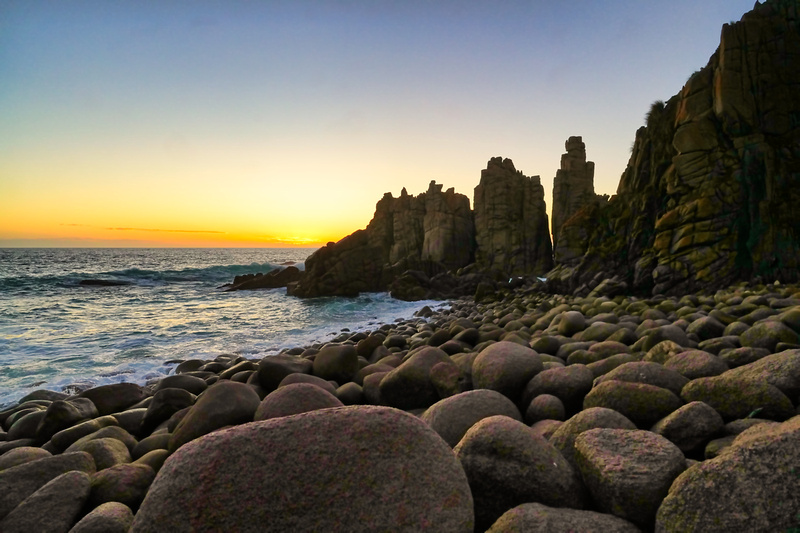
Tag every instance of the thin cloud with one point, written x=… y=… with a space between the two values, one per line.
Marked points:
x=166 y=230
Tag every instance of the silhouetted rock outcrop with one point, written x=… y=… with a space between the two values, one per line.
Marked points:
x=511 y=227
x=417 y=246
x=573 y=186
x=279 y=277
x=710 y=193
x=431 y=233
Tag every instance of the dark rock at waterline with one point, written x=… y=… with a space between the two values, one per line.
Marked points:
x=103 y=283
x=279 y=277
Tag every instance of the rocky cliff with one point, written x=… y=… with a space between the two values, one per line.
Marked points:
x=431 y=232
x=511 y=227
x=710 y=193
x=436 y=232
x=573 y=187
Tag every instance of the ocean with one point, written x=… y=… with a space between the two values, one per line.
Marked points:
x=59 y=335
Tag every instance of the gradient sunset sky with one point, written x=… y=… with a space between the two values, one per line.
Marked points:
x=274 y=123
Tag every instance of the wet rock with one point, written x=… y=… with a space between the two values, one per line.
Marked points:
x=116 y=397
x=186 y=382
x=274 y=368
x=165 y=403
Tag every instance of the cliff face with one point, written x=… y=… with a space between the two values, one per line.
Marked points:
x=710 y=192
x=510 y=221
x=573 y=187
x=437 y=232
x=431 y=232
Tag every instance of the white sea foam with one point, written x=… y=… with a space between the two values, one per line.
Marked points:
x=55 y=333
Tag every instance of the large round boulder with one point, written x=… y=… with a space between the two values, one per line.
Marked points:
x=356 y=468
x=570 y=384
x=690 y=427
x=538 y=518
x=507 y=465
x=736 y=397
x=505 y=367
x=453 y=416
x=646 y=372
x=225 y=403
x=595 y=417
x=752 y=486
x=336 y=362
x=628 y=473
x=409 y=386
x=643 y=404
x=295 y=399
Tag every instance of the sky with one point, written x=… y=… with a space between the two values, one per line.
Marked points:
x=282 y=123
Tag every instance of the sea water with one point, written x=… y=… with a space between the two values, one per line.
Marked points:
x=59 y=335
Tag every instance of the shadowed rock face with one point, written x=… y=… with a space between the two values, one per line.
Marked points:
x=432 y=232
x=710 y=192
x=573 y=189
x=511 y=226
x=436 y=232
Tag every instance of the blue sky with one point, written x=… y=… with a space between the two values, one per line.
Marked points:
x=285 y=122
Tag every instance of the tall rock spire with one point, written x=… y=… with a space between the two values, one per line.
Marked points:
x=511 y=227
x=573 y=186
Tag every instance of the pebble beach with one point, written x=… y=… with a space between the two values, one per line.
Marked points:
x=524 y=412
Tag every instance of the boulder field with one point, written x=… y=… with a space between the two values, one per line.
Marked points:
x=531 y=412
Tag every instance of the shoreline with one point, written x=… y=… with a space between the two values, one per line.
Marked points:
x=648 y=381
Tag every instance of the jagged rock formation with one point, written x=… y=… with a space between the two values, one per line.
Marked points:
x=279 y=277
x=573 y=187
x=432 y=232
x=511 y=227
x=710 y=193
